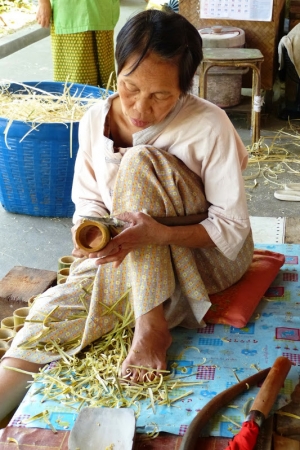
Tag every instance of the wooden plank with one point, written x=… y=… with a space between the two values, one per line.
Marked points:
x=43 y=439
x=21 y=283
x=29 y=438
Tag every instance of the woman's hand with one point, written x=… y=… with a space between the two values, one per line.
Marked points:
x=43 y=15
x=142 y=230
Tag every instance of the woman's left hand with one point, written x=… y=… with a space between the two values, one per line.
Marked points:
x=142 y=230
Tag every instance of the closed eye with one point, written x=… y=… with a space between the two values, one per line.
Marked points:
x=161 y=95
x=131 y=87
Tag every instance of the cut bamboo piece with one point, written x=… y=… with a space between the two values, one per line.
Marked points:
x=92 y=236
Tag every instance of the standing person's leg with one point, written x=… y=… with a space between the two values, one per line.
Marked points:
x=106 y=59
x=13 y=384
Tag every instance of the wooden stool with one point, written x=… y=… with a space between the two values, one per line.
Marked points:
x=236 y=57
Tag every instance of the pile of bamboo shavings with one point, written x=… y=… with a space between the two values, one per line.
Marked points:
x=92 y=378
x=31 y=104
x=274 y=162
x=35 y=106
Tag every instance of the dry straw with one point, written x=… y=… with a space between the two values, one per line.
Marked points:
x=36 y=106
x=31 y=104
x=275 y=158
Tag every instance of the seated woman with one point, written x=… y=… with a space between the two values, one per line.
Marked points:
x=150 y=150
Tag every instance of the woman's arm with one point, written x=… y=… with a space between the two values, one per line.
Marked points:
x=85 y=189
x=86 y=193
x=144 y=230
x=43 y=15
x=218 y=156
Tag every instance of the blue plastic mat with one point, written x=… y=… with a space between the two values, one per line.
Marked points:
x=217 y=356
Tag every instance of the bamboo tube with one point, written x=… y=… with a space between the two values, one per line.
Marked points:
x=65 y=261
x=63 y=273
x=6 y=334
x=7 y=322
x=20 y=315
x=92 y=236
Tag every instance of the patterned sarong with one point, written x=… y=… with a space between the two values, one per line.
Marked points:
x=181 y=278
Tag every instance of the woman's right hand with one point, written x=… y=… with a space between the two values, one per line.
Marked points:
x=43 y=15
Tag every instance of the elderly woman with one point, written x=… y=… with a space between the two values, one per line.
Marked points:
x=150 y=150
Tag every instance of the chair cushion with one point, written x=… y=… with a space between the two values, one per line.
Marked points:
x=235 y=305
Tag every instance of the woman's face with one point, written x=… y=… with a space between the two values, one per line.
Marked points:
x=149 y=93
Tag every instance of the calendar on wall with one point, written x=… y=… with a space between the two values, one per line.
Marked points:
x=259 y=10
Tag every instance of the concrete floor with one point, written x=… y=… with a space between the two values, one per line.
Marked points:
x=38 y=242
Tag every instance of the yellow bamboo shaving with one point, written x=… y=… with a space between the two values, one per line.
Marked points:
x=152 y=400
x=46 y=419
x=232 y=421
x=12 y=440
x=91 y=378
x=185 y=349
x=274 y=162
x=282 y=413
x=254 y=366
x=186 y=394
x=33 y=418
x=234 y=373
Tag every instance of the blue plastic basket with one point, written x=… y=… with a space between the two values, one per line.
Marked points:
x=36 y=174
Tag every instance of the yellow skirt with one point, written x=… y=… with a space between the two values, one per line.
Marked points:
x=86 y=58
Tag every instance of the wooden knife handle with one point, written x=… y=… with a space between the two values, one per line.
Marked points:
x=268 y=392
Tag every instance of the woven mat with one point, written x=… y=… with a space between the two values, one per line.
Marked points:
x=215 y=356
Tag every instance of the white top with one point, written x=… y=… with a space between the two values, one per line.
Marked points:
x=197 y=132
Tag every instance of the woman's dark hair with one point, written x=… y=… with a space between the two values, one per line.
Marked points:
x=168 y=35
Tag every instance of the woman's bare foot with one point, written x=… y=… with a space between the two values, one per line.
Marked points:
x=150 y=343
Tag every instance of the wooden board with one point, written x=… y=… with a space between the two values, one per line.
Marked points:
x=43 y=439
x=21 y=283
x=29 y=438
